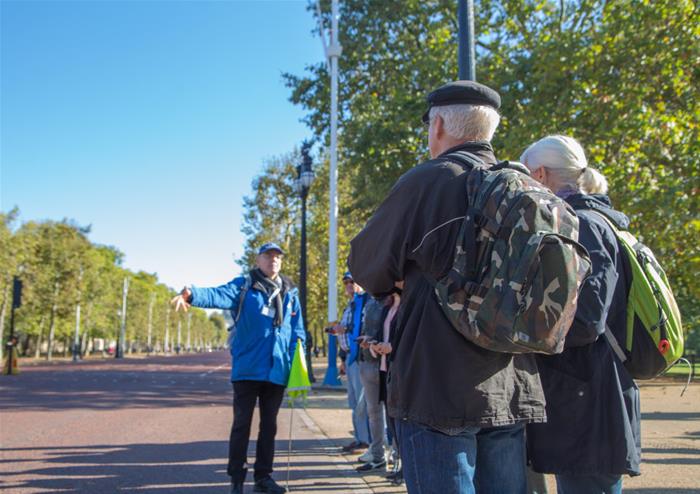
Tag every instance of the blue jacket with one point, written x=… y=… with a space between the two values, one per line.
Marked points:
x=357 y=305
x=593 y=413
x=259 y=350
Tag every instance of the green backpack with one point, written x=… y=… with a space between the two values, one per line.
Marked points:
x=654 y=335
x=518 y=265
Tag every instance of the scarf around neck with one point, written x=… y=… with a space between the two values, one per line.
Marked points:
x=273 y=289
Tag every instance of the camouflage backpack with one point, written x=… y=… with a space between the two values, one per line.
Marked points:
x=518 y=266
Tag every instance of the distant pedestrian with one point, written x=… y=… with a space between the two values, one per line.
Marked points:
x=268 y=323
x=374 y=313
x=592 y=435
x=348 y=330
x=383 y=349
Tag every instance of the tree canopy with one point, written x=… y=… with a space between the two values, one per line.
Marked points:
x=60 y=269
x=621 y=77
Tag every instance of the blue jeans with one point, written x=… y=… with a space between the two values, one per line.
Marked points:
x=357 y=403
x=484 y=460
x=369 y=375
x=589 y=484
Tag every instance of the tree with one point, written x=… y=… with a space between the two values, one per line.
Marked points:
x=619 y=76
x=62 y=268
x=8 y=268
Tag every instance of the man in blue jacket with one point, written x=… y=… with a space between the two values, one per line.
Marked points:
x=349 y=329
x=268 y=322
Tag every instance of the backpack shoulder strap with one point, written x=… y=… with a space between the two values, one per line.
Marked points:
x=244 y=289
x=614 y=345
x=511 y=165
x=466 y=159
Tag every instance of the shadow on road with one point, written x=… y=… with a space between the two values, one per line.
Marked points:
x=671 y=416
x=155 y=382
x=657 y=490
x=187 y=467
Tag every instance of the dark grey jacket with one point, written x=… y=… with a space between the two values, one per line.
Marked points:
x=437 y=377
x=593 y=411
x=373 y=316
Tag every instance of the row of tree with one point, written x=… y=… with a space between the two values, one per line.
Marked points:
x=620 y=76
x=70 y=282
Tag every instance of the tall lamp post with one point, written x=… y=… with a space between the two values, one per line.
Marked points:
x=12 y=342
x=305 y=176
x=466 y=52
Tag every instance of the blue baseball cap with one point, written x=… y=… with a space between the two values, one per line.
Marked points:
x=270 y=246
x=347 y=276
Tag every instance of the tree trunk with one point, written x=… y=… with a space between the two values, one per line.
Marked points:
x=83 y=343
x=25 y=346
x=52 y=323
x=85 y=337
x=37 y=352
x=3 y=311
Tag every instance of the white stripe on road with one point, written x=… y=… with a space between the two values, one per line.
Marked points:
x=213 y=370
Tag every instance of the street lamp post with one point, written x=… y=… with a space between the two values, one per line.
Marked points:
x=305 y=176
x=12 y=342
x=76 y=339
x=122 y=330
x=466 y=52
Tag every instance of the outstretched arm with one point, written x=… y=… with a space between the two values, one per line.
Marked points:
x=221 y=297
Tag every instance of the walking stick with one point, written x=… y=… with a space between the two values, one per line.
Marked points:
x=289 y=448
x=297 y=385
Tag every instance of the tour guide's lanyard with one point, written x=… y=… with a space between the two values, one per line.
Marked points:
x=270 y=310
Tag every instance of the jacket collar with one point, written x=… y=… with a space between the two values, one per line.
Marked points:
x=480 y=149
x=600 y=203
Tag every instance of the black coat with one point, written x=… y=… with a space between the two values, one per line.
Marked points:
x=593 y=416
x=437 y=377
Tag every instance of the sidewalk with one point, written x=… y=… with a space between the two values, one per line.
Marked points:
x=319 y=431
x=670 y=428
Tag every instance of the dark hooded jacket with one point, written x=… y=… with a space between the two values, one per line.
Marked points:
x=593 y=416
x=437 y=377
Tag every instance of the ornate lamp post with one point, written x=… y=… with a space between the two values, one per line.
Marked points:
x=305 y=176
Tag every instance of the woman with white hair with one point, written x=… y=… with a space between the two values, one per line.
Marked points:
x=592 y=434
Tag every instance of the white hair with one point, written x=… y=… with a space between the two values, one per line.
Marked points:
x=564 y=156
x=468 y=122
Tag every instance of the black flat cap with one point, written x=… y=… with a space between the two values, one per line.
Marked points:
x=462 y=93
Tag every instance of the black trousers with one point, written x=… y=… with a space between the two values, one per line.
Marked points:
x=245 y=395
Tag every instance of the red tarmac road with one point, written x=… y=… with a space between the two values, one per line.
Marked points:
x=161 y=425
x=158 y=424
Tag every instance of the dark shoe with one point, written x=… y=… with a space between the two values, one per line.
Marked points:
x=269 y=486
x=354 y=446
x=396 y=477
x=371 y=466
x=237 y=479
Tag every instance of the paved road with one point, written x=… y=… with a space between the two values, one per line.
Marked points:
x=161 y=424
x=142 y=425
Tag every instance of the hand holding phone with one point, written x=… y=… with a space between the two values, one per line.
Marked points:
x=381 y=348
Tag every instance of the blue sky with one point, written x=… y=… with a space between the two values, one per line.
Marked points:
x=148 y=119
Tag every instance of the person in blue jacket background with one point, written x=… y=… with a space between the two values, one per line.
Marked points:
x=262 y=343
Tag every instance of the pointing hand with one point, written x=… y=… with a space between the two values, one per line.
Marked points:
x=182 y=301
